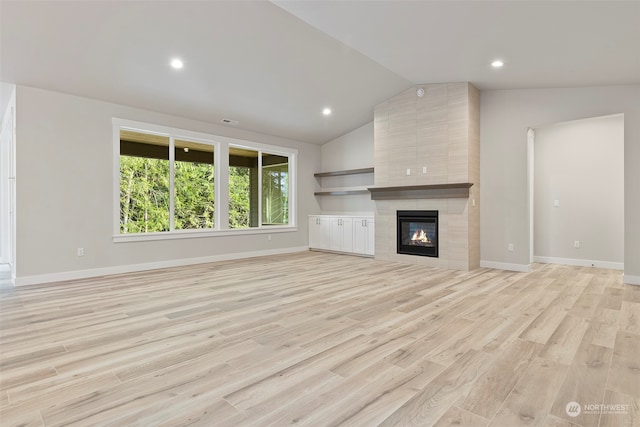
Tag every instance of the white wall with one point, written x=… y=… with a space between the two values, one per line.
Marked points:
x=65 y=186
x=351 y=151
x=580 y=164
x=505 y=117
x=6 y=95
x=7 y=183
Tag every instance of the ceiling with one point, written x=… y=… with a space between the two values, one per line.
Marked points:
x=543 y=43
x=274 y=66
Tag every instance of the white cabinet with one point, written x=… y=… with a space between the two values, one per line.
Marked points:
x=342 y=234
x=364 y=236
x=339 y=233
x=319 y=232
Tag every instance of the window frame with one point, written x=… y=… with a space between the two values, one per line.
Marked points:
x=221 y=146
x=277 y=151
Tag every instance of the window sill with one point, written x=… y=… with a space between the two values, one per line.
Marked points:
x=194 y=234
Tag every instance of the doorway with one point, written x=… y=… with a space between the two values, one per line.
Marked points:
x=576 y=192
x=8 y=195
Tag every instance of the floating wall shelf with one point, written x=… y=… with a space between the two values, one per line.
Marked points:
x=436 y=191
x=343 y=172
x=341 y=193
x=346 y=191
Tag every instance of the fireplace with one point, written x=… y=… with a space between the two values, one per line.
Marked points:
x=418 y=233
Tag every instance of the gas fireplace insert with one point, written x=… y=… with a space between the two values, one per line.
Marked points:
x=418 y=233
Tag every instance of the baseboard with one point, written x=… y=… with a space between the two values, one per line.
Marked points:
x=579 y=262
x=120 y=269
x=523 y=268
x=631 y=280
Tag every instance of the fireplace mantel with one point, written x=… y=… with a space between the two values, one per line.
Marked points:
x=434 y=191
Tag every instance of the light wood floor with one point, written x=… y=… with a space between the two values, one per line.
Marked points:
x=322 y=339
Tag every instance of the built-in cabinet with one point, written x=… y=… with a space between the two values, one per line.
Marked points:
x=364 y=236
x=342 y=233
x=319 y=232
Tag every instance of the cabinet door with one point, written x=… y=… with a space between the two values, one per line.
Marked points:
x=342 y=234
x=359 y=236
x=363 y=236
x=347 y=235
x=324 y=233
x=318 y=232
x=314 y=229
x=336 y=234
x=370 y=226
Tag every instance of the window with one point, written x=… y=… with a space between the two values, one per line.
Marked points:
x=168 y=182
x=194 y=186
x=258 y=188
x=160 y=192
x=144 y=182
x=243 y=188
x=275 y=189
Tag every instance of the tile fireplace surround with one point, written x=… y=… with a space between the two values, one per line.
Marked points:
x=439 y=131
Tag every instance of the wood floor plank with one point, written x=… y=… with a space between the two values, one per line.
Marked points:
x=585 y=383
x=631 y=294
x=456 y=417
x=622 y=410
x=493 y=387
x=319 y=339
x=547 y=321
x=251 y=394
x=552 y=421
x=608 y=321
x=427 y=406
x=20 y=415
x=630 y=317
x=47 y=392
x=626 y=345
x=529 y=402
x=623 y=375
x=563 y=343
x=439 y=330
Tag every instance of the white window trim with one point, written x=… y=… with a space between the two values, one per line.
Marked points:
x=221 y=148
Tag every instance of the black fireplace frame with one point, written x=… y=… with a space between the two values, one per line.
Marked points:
x=417 y=216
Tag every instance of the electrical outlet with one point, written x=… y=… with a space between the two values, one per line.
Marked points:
x=408 y=171
x=576 y=244
x=473 y=202
x=80 y=251
x=424 y=169
x=510 y=247
x=556 y=203
x=269 y=237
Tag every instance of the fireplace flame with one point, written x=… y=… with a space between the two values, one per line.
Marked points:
x=420 y=236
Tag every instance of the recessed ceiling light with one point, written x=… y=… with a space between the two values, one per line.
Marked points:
x=326 y=111
x=497 y=63
x=177 y=63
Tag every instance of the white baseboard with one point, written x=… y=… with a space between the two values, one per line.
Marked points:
x=631 y=280
x=579 y=262
x=523 y=268
x=105 y=271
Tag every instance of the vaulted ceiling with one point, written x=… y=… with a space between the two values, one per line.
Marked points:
x=273 y=67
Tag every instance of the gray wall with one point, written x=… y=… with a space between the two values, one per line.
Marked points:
x=505 y=117
x=65 y=188
x=351 y=151
x=581 y=165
